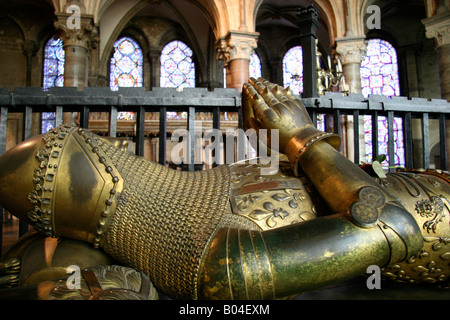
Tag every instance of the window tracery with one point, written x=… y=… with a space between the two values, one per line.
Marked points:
x=177 y=66
x=177 y=71
x=379 y=69
x=126 y=64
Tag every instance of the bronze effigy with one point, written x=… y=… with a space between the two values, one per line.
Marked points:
x=231 y=232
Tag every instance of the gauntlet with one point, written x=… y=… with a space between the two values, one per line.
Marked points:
x=269 y=106
x=179 y=228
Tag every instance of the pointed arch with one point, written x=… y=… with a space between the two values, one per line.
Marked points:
x=379 y=69
x=177 y=66
x=126 y=65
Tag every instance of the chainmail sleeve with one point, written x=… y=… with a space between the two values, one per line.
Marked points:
x=165 y=219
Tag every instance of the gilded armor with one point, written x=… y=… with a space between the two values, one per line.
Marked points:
x=231 y=232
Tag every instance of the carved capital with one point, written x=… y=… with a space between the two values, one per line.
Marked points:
x=438 y=27
x=236 y=45
x=84 y=35
x=351 y=50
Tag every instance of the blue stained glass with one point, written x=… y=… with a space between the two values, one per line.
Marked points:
x=53 y=76
x=379 y=75
x=54 y=58
x=293 y=69
x=399 y=147
x=126 y=69
x=177 y=67
x=379 y=69
x=126 y=64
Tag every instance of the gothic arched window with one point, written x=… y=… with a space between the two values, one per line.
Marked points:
x=53 y=76
x=254 y=69
x=379 y=76
x=293 y=69
x=177 y=66
x=126 y=64
x=379 y=69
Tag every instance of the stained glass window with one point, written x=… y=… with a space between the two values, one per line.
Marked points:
x=126 y=64
x=53 y=76
x=379 y=75
x=379 y=69
x=48 y=121
x=177 y=66
x=254 y=69
x=293 y=69
x=126 y=68
x=54 y=57
x=399 y=147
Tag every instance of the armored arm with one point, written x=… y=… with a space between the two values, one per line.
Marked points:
x=174 y=227
x=273 y=264
x=365 y=228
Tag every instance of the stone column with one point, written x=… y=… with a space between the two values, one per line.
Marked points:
x=351 y=52
x=438 y=27
x=154 y=57
x=29 y=50
x=235 y=50
x=76 y=42
x=308 y=23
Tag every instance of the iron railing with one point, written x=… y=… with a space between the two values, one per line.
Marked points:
x=28 y=101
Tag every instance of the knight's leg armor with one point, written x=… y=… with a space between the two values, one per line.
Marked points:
x=369 y=228
x=173 y=225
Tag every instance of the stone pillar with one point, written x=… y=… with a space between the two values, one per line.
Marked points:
x=308 y=23
x=235 y=50
x=29 y=50
x=438 y=27
x=76 y=42
x=351 y=52
x=155 y=66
